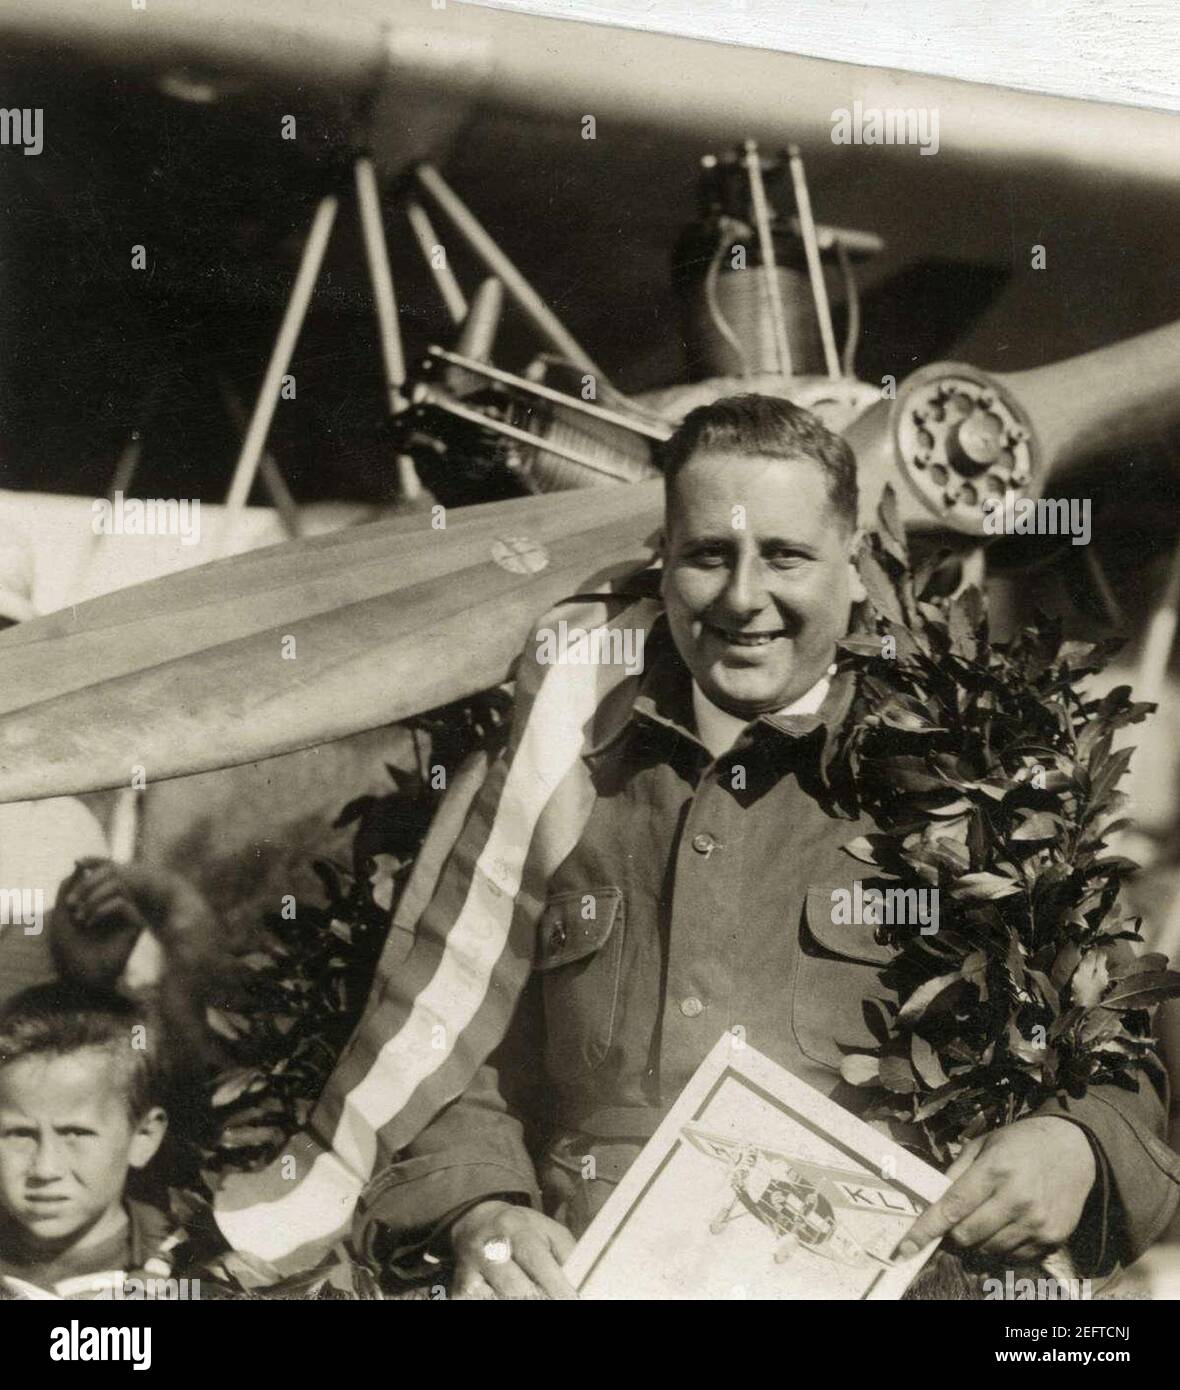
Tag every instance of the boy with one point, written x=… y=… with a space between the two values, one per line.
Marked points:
x=78 y=1112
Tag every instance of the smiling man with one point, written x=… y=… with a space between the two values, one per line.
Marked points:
x=650 y=863
x=759 y=536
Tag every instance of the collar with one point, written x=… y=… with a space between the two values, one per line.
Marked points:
x=719 y=730
x=664 y=697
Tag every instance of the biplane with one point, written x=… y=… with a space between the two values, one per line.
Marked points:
x=410 y=238
x=802 y=1203
x=405 y=259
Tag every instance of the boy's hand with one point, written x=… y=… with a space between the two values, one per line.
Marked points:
x=1019 y=1191
x=504 y=1251
x=99 y=934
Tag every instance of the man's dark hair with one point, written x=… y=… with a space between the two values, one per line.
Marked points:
x=767 y=427
x=56 y=1020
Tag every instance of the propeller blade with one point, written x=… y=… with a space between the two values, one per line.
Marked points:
x=919 y=313
x=1114 y=398
x=960 y=436
x=187 y=673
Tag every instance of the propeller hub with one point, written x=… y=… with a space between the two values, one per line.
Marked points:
x=975 y=443
x=962 y=441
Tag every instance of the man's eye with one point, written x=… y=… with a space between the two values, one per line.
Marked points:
x=787 y=559
x=708 y=556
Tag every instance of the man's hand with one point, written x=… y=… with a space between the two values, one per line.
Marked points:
x=503 y=1251
x=1019 y=1191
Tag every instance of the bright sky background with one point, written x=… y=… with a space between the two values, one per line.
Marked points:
x=1108 y=50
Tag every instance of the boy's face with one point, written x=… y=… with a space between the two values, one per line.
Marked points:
x=67 y=1142
x=758 y=578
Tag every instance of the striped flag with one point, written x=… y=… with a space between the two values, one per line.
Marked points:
x=437 y=1012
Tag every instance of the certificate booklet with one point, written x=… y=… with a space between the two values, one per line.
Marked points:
x=756 y=1186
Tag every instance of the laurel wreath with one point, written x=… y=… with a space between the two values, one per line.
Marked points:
x=994 y=780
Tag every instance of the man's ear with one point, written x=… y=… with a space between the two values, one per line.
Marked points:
x=855 y=583
x=148 y=1136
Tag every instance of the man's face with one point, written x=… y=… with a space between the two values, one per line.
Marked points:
x=758 y=578
x=67 y=1142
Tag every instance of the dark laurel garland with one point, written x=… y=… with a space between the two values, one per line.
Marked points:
x=993 y=780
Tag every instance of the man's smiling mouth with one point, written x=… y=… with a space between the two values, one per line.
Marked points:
x=744 y=639
x=40 y=1209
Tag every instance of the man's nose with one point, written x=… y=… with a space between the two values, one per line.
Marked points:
x=746 y=591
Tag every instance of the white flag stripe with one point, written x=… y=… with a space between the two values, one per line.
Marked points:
x=304 y=1219
x=315 y=1211
x=551 y=744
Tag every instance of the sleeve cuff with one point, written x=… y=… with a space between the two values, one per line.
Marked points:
x=1096 y=1244
x=1136 y=1189
x=404 y=1212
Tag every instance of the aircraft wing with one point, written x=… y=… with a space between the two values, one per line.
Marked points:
x=855 y=1191
x=843 y=1187
x=418 y=71
x=712 y=1145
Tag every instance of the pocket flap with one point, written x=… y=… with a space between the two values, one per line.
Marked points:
x=836 y=918
x=574 y=925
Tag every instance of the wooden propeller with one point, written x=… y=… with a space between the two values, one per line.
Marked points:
x=315 y=639
x=300 y=643
x=959 y=435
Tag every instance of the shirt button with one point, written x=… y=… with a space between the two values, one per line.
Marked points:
x=691 y=1006
x=703 y=844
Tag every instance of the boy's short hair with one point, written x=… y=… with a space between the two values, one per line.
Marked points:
x=766 y=427
x=55 y=1020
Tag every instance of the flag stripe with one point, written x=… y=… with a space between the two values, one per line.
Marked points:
x=399 y=980
x=433 y=1019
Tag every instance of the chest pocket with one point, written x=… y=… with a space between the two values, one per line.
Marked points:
x=579 y=958
x=839 y=974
